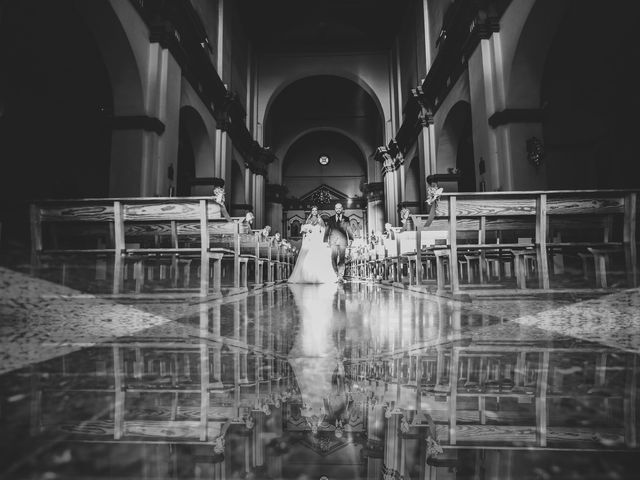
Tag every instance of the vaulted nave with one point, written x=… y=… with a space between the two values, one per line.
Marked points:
x=463 y=172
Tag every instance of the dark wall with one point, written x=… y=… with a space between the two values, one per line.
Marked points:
x=302 y=172
x=591 y=100
x=56 y=100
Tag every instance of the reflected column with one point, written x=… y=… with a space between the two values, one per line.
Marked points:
x=392 y=447
x=259 y=446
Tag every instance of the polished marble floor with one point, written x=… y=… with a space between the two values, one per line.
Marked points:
x=305 y=381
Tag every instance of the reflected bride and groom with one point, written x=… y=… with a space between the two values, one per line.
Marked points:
x=317 y=361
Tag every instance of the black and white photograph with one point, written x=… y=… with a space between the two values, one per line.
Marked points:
x=319 y=240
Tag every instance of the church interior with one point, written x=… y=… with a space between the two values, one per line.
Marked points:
x=160 y=164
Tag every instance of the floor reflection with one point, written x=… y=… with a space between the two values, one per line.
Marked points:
x=301 y=381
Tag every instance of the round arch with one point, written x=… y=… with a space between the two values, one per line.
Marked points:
x=529 y=56
x=117 y=52
x=343 y=74
x=195 y=149
x=124 y=55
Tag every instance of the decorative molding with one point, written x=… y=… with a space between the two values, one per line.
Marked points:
x=228 y=109
x=324 y=197
x=138 y=122
x=256 y=168
x=425 y=116
x=390 y=156
x=168 y=37
x=516 y=115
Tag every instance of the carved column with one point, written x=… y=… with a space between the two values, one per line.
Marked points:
x=426 y=140
x=393 y=175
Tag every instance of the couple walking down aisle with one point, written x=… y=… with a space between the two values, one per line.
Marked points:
x=324 y=246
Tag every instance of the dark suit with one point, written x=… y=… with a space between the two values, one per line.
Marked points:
x=337 y=234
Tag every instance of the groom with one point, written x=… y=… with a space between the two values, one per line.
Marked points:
x=338 y=234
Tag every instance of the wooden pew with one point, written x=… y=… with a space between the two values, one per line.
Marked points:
x=69 y=231
x=139 y=230
x=250 y=247
x=197 y=229
x=267 y=257
x=595 y=224
x=520 y=223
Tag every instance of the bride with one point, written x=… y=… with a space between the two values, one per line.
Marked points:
x=314 y=260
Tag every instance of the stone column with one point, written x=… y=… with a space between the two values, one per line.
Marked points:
x=248 y=185
x=258 y=192
x=259 y=447
x=391 y=468
x=393 y=175
x=374 y=192
x=426 y=144
x=275 y=195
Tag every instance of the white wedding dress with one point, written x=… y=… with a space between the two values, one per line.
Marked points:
x=314 y=356
x=314 y=260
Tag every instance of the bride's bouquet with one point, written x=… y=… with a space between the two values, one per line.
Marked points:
x=306 y=228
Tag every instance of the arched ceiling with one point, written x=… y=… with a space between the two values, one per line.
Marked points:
x=321 y=101
x=325 y=25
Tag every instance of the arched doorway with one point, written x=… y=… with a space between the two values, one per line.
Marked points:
x=55 y=123
x=194 y=153
x=323 y=102
x=455 y=147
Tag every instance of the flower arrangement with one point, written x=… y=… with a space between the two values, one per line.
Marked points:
x=433 y=193
x=433 y=447
x=306 y=228
x=219 y=445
